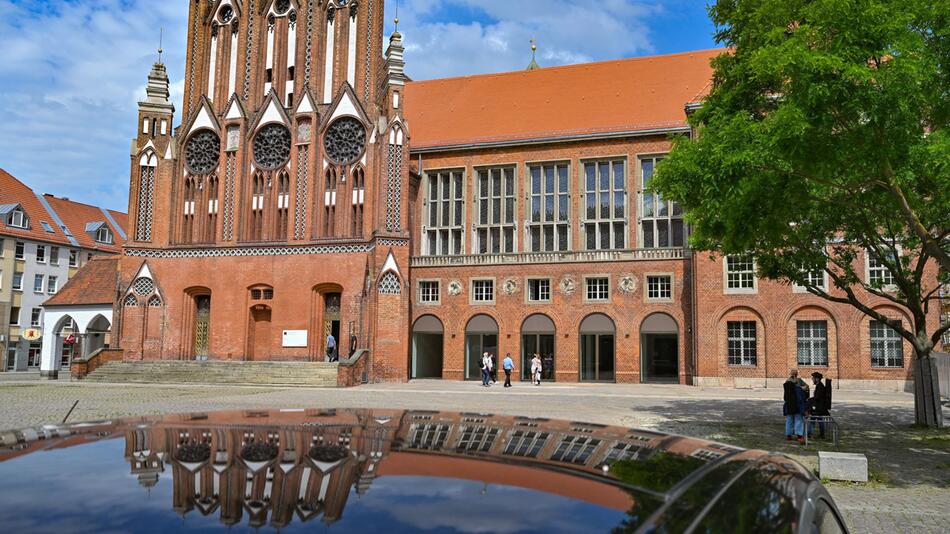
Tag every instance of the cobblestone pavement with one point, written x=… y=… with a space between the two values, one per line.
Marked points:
x=910 y=489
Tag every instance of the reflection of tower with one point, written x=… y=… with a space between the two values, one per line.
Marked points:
x=147 y=464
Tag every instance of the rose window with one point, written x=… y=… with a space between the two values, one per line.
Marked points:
x=272 y=147
x=281 y=6
x=202 y=152
x=345 y=140
x=226 y=14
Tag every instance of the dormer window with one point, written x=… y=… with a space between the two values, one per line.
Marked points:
x=104 y=235
x=15 y=216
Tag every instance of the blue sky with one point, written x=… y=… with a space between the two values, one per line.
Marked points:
x=72 y=71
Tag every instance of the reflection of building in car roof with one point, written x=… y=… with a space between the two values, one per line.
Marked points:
x=266 y=467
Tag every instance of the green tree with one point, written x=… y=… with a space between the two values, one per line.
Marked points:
x=825 y=134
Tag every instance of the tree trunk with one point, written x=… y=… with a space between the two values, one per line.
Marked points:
x=927 y=408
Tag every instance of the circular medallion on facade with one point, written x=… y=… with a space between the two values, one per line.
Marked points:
x=510 y=286
x=226 y=14
x=455 y=288
x=281 y=6
x=272 y=147
x=568 y=285
x=628 y=284
x=345 y=141
x=202 y=152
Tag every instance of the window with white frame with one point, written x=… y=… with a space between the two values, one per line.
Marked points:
x=812 y=342
x=483 y=291
x=36 y=315
x=549 y=220
x=539 y=290
x=14 y=316
x=445 y=216
x=879 y=275
x=38 y=283
x=660 y=287
x=40 y=253
x=597 y=288
x=104 y=235
x=429 y=291
x=2 y=250
x=17 y=281
x=742 y=345
x=495 y=200
x=52 y=285
x=605 y=200
x=19 y=250
x=34 y=354
x=661 y=220
x=18 y=219
x=740 y=273
x=1 y=279
x=887 y=346
x=812 y=278
x=73 y=258
x=54 y=255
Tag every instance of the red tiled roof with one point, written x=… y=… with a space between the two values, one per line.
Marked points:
x=94 y=283
x=76 y=215
x=13 y=191
x=625 y=95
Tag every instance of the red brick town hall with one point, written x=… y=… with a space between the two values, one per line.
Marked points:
x=311 y=188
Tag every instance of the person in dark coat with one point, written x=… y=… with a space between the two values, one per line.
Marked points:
x=819 y=404
x=794 y=409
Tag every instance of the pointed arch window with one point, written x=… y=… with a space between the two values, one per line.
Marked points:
x=210 y=228
x=146 y=191
x=389 y=284
x=359 y=185
x=188 y=211
x=257 y=208
x=283 y=205
x=329 y=212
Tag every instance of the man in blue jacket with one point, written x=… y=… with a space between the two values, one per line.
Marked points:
x=794 y=408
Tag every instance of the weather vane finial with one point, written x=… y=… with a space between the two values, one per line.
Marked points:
x=161 y=38
x=396 y=20
x=534 y=52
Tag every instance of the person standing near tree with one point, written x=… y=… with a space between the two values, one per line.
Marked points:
x=818 y=404
x=794 y=408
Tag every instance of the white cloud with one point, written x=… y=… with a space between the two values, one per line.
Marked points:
x=73 y=71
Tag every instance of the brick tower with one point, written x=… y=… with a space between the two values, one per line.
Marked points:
x=275 y=214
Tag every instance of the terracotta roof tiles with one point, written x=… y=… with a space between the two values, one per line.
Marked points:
x=94 y=283
x=626 y=95
x=78 y=216
x=13 y=191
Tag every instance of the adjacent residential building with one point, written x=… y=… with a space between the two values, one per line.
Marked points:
x=44 y=240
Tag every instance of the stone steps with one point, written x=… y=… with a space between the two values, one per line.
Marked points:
x=293 y=374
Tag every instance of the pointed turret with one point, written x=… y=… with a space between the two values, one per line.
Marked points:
x=395 y=59
x=156 y=112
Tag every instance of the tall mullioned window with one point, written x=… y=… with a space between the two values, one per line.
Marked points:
x=605 y=205
x=661 y=220
x=495 y=196
x=741 y=337
x=812 y=342
x=887 y=346
x=549 y=225
x=444 y=214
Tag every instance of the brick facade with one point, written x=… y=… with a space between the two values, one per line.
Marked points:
x=230 y=253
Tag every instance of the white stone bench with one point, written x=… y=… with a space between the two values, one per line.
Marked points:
x=843 y=466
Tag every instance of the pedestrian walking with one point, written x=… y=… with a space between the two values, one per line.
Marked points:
x=509 y=366
x=536 y=369
x=493 y=371
x=331 y=348
x=819 y=404
x=486 y=370
x=794 y=408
